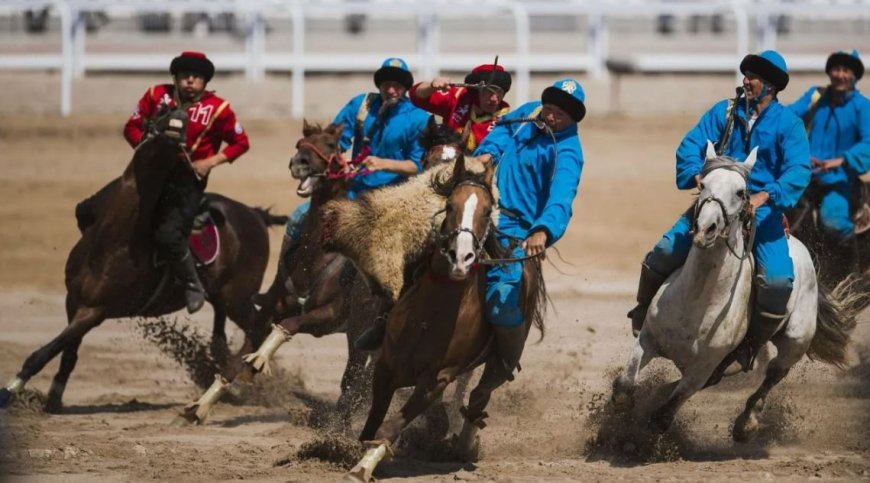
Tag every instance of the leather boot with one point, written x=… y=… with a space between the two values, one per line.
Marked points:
x=650 y=282
x=373 y=337
x=510 y=342
x=762 y=327
x=194 y=293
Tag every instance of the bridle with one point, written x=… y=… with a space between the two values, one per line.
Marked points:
x=742 y=214
x=444 y=239
x=478 y=242
x=336 y=166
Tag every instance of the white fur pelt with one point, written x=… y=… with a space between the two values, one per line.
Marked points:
x=386 y=228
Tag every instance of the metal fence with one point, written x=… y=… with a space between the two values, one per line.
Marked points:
x=751 y=19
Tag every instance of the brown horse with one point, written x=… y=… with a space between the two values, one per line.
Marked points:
x=110 y=272
x=315 y=291
x=438 y=330
x=441 y=144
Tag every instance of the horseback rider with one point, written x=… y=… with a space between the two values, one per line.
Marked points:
x=837 y=121
x=211 y=122
x=781 y=174
x=470 y=111
x=538 y=166
x=383 y=124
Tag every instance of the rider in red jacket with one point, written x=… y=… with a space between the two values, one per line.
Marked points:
x=471 y=112
x=211 y=122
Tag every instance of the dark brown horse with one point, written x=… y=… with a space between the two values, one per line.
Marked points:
x=315 y=291
x=110 y=272
x=438 y=330
x=836 y=260
x=441 y=143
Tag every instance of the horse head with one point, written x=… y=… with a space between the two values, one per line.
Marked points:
x=317 y=155
x=724 y=196
x=467 y=217
x=442 y=144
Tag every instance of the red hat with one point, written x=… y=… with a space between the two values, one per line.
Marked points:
x=195 y=62
x=491 y=74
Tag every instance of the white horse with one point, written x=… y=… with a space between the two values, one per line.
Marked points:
x=701 y=313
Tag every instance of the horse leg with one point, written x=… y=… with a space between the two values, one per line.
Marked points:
x=219 y=349
x=788 y=353
x=625 y=384
x=662 y=418
x=54 y=403
x=84 y=319
x=474 y=416
x=425 y=393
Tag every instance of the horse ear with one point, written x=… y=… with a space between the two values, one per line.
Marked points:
x=334 y=129
x=750 y=160
x=308 y=129
x=459 y=167
x=711 y=150
x=431 y=125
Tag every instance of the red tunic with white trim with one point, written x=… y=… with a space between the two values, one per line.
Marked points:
x=212 y=121
x=457 y=107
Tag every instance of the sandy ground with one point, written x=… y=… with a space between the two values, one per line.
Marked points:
x=550 y=424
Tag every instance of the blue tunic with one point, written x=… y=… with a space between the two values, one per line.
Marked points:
x=782 y=169
x=396 y=138
x=538 y=188
x=842 y=130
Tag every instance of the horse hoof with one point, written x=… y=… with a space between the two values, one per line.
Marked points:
x=471 y=452
x=53 y=407
x=5 y=398
x=745 y=428
x=181 y=421
x=622 y=402
x=660 y=424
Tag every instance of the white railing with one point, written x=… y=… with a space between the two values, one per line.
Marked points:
x=73 y=60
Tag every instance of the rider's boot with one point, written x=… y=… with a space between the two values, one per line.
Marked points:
x=510 y=341
x=762 y=327
x=194 y=293
x=373 y=337
x=650 y=282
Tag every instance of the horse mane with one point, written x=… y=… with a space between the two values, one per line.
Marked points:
x=439 y=136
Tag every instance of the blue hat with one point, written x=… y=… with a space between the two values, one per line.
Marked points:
x=851 y=61
x=568 y=95
x=769 y=65
x=394 y=69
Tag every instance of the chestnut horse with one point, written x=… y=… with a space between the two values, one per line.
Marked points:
x=110 y=272
x=437 y=330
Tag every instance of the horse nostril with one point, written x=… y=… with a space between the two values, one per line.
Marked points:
x=711 y=229
x=451 y=254
x=469 y=257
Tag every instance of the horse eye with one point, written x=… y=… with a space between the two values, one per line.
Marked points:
x=330 y=145
x=701 y=186
x=741 y=193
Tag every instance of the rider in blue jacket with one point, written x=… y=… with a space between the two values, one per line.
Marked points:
x=837 y=120
x=776 y=183
x=538 y=166
x=388 y=123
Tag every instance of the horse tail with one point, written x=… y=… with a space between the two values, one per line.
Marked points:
x=268 y=218
x=838 y=309
x=536 y=304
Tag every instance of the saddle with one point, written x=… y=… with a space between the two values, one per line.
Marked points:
x=204 y=239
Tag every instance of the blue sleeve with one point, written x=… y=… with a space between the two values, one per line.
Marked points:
x=347 y=116
x=558 y=210
x=796 y=171
x=501 y=136
x=801 y=106
x=690 y=153
x=857 y=158
x=413 y=150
